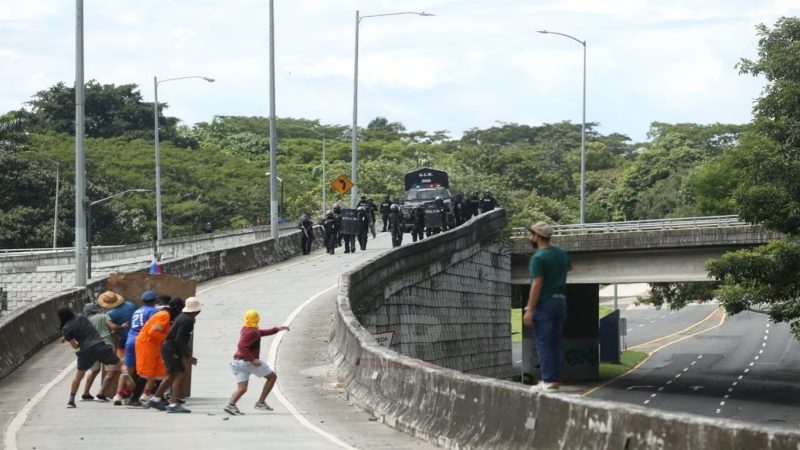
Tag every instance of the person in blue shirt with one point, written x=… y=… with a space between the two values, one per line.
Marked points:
x=138 y=319
x=120 y=312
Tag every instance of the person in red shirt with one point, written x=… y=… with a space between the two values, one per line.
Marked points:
x=246 y=362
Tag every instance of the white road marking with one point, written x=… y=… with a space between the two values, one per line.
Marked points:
x=661 y=388
x=741 y=376
x=272 y=357
x=669 y=381
x=756 y=358
x=726 y=396
x=730 y=389
x=646 y=402
x=764 y=344
x=700 y=357
x=678 y=376
x=685 y=369
x=761 y=351
x=735 y=383
x=653 y=395
x=693 y=363
x=630 y=329
x=718 y=410
x=746 y=370
x=751 y=364
x=641 y=325
x=721 y=403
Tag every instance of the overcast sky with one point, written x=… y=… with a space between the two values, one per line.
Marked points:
x=475 y=62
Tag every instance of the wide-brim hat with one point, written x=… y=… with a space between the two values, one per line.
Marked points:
x=109 y=300
x=192 y=305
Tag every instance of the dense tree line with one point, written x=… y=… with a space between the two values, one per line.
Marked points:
x=215 y=172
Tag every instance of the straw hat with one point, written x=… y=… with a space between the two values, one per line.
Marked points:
x=109 y=300
x=192 y=305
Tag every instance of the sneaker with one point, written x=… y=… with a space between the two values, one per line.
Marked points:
x=145 y=398
x=101 y=398
x=263 y=407
x=87 y=397
x=159 y=405
x=71 y=405
x=233 y=410
x=117 y=400
x=135 y=404
x=177 y=409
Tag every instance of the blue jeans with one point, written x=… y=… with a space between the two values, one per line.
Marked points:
x=548 y=322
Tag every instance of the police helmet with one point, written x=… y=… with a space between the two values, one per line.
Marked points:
x=360 y=208
x=329 y=213
x=304 y=217
x=393 y=207
x=337 y=209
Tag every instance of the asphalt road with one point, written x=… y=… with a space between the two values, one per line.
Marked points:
x=741 y=367
x=311 y=409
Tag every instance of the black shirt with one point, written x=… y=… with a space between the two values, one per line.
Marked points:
x=80 y=329
x=180 y=334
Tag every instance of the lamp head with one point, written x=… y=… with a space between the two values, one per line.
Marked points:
x=424 y=14
x=210 y=80
x=543 y=32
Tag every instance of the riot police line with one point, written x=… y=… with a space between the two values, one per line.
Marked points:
x=345 y=227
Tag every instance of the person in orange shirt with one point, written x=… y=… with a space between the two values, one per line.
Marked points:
x=149 y=364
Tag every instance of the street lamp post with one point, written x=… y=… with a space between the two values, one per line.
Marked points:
x=583 y=122
x=281 y=181
x=324 y=178
x=354 y=157
x=80 y=152
x=89 y=205
x=156 y=82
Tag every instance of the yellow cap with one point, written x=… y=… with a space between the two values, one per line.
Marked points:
x=251 y=318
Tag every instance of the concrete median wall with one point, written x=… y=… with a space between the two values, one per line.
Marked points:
x=28 y=277
x=457 y=410
x=27 y=329
x=445 y=299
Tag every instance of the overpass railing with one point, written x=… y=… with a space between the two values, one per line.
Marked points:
x=641 y=225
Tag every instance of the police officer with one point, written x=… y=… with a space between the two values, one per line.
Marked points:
x=329 y=225
x=337 y=214
x=307 y=235
x=349 y=237
x=418 y=232
x=362 y=202
x=362 y=215
x=369 y=206
x=458 y=208
x=475 y=204
x=438 y=208
x=386 y=204
x=396 y=225
x=487 y=202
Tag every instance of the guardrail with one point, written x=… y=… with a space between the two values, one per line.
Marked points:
x=640 y=225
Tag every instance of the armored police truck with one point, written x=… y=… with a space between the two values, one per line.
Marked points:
x=422 y=187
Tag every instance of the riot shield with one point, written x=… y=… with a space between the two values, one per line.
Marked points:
x=433 y=217
x=349 y=222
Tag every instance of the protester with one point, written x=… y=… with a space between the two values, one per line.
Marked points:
x=120 y=311
x=138 y=319
x=547 y=303
x=246 y=362
x=103 y=325
x=149 y=365
x=82 y=336
x=176 y=353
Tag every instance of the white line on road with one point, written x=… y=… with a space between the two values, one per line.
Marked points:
x=272 y=357
x=661 y=388
x=746 y=370
x=653 y=395
x=730 y=389
x=718 y=410
x=721 y=403
x=726 y=396
x=678 y=376
x=752 y=364
x=22 y=416
x=693 y=363
x=735 y=383
x=741 y=376
x=685 y=369
x=756 y=358
x=700 y=357
x=669 y=381
x=646 y=402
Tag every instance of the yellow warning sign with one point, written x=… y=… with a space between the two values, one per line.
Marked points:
x=342 y=185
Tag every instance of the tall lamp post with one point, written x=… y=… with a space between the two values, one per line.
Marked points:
x=324 y=178
x=281 y=181
x=354 y=158
x=89 y=205
x=156 y=82
x=583 y=122
x=80 y=152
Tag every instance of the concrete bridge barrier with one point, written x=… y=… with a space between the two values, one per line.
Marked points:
x=460 y=410
x=27 y=329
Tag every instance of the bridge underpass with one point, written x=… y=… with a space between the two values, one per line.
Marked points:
x=701 y=361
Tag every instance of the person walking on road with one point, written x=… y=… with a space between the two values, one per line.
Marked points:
x=547 y=303
x=177 y=353
x=246 y=362
x=386 y=206
x=396 y=225
x=82 y=336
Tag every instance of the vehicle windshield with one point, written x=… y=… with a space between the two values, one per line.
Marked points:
x=426 y=194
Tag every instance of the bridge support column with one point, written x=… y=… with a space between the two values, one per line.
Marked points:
x=581 y=337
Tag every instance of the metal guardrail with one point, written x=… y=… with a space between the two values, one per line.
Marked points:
x=640 y=225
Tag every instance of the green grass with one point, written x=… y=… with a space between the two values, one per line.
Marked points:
x=516 y=321
x=629 y=359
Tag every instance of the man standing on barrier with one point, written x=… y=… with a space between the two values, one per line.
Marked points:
x=547 y=303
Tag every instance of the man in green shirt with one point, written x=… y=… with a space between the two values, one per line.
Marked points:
x=547 y=303
x=103 y=324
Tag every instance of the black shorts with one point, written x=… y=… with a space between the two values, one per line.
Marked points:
x=101 y=352
x=173 y=361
